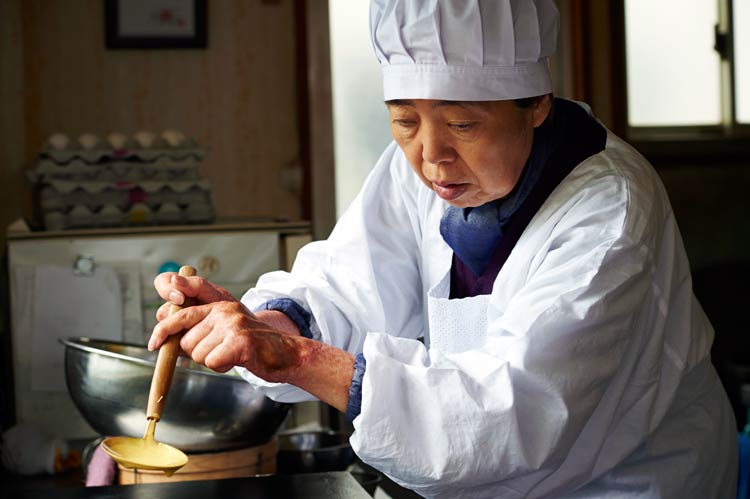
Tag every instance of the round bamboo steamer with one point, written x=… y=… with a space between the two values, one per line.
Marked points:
x=260 y=460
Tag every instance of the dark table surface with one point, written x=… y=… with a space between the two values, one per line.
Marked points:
x=330 y=485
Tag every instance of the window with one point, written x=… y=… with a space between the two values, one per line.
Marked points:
x=688 y=65
x=361 y=130
x=741 y=30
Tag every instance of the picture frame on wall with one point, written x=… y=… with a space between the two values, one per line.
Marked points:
x=155 y=24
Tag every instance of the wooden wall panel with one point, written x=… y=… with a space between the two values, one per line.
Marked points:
x=590 y=61
x=237 y=96
x=320 y=111
x=11 y=113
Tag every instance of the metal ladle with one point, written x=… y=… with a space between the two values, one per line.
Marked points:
x=146 y=453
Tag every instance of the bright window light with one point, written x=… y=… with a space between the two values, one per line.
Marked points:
x=742 y=60
x=673 y=70
x=360 y=119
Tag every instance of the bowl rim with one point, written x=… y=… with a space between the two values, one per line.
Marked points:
x=79 y=343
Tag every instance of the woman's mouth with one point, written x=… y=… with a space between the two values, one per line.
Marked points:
x=447 y=191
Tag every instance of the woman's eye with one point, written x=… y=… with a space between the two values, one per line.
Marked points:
x=404 y=123
x=462 y=127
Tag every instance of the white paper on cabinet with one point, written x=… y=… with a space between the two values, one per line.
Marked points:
x=66 y=305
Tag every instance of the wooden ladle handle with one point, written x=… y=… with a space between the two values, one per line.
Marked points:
x=165 y=362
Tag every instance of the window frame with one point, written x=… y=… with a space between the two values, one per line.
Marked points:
x=725 y=142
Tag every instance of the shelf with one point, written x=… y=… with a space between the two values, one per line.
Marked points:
x=221 y=225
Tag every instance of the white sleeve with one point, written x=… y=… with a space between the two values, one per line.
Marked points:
x=368 y=265
x=529 y=412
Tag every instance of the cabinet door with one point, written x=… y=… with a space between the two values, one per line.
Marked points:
x=233 y=260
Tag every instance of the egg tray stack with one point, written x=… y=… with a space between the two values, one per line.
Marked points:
x=120 y=182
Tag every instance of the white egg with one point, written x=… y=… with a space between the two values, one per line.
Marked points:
x=80 y=216
x=168 y=213
x=58 y=141
x=117 y=140
x=144 y=138
x=110 y=215
x=173 y=137
x=110 y=209
x=88 y=141
x=169 y=208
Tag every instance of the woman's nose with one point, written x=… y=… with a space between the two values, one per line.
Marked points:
x=436 y=148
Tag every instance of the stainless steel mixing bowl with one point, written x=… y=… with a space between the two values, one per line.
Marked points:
x=205 y=411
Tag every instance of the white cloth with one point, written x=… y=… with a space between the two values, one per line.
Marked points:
x=592 y=378
x=455 y=325
x=459 y=50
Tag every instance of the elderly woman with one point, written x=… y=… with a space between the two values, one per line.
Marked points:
x=536 y=255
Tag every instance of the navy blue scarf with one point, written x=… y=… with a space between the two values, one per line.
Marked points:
x=474 y=233
x=482 y=238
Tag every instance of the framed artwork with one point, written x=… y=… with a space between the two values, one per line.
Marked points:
x=155 y=24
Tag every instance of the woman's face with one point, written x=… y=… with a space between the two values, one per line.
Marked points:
x=469 y=153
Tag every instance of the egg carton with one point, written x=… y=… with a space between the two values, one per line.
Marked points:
x=64 y=195
x=78 y=170
x=139 y=214
x=143 y=146
x=93 y=156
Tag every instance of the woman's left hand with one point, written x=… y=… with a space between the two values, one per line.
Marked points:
x=221 y=333
x=224 y=334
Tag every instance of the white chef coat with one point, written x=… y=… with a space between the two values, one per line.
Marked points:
x=591 y=376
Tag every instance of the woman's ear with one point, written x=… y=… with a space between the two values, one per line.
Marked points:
x=541 y=109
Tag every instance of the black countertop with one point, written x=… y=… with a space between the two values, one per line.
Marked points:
x=331 y=485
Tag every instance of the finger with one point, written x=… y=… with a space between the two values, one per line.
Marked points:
x=165 y=288
x=199 y=288
x=183 y=320
x=173 y=296
x=223 y=357
x=205 y=346
x=163 y=311
x=195 y=335
x=222 y=369
x=175 y=288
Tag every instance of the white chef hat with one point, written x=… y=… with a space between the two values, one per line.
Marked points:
x=469 y=50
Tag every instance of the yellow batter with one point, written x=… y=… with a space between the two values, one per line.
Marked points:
x=145 y=454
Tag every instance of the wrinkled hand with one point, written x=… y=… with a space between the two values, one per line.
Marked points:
x=174 y=288
x=220 y=332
